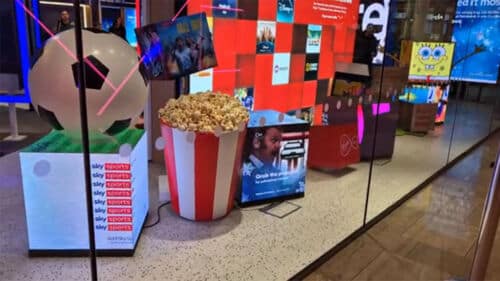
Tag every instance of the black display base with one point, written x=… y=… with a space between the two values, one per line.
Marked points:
x=85 y=252
x=272 y=200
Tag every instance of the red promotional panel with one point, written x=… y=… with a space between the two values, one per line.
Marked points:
x=334 y=146
x=267 y=9
x=326 y=12
x=284 y=37
x=245 y=42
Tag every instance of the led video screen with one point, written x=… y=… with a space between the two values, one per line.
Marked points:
x=431 y=61
x=283 y=52
x=477 y=35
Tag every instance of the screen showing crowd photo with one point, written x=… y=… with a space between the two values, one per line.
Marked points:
x=175 y=49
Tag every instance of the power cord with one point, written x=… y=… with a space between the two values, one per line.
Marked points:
x=158 y=217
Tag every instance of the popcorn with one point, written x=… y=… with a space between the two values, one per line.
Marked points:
x=204 y=112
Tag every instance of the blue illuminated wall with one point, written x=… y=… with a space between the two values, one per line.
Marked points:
x=23 y=50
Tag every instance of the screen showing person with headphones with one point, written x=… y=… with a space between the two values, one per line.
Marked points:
x=274 y=163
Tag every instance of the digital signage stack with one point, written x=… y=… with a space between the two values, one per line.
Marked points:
x=282 y=53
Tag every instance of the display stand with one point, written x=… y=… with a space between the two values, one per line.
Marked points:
x=417 y=118
x=202 y=172
x=274 y=160
x=335 y=145
x=14 y=133
x=54 y=194
x=388 y=113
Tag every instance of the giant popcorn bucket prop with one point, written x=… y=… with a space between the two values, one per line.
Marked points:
x=202 y=171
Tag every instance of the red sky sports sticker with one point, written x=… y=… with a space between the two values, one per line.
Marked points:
x=118 y=193
x=120 y=227
x=118 y=184
x=117 y=166
x=119 y=202
x=117 y=176
x=120 y=211
x=119 y=219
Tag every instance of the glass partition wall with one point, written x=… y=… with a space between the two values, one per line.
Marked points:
x=344 y=99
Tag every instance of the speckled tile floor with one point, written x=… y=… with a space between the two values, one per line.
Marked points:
x=430 y=237
x=247 y=245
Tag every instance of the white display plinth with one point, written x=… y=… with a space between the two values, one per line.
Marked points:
x=55 y=201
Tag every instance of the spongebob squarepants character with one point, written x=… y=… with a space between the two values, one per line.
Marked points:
x=431 y=61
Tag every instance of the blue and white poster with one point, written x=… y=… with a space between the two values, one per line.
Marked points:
x=477 y=36
x=285 y=11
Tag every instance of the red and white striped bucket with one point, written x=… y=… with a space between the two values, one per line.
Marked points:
x=203 y=172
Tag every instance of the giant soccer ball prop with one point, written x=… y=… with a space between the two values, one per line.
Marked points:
x=53 y=82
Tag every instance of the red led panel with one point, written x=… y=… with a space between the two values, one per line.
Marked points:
x=309 y=95
x=245 y=77
x=268 y=9
x=276 y=97
x=284 y=34
x=349 y=44
x=195 y=7
x=245 y=42
x=294 y=98
x=263 y=71
x=297 y=66
x=325 y=70
x=224 y=74
x=260 y=98
x=327 y=38
x=224 y=37
x=318 y=112
x=340 y=37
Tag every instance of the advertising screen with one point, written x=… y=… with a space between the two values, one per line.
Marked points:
x=431 y=61
x=477 y=36
x=284 y=50
x=109 y=15
x=130 y=22
x=418 y=94
x=179 y=48
x=275 y=157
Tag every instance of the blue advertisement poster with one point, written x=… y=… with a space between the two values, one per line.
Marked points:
x=285 y=11
x=275 y=157
x=477 y=36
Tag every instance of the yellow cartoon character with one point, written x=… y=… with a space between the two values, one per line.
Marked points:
x=431 y=61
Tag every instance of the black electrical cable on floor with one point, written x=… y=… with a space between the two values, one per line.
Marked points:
x=158 y=218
